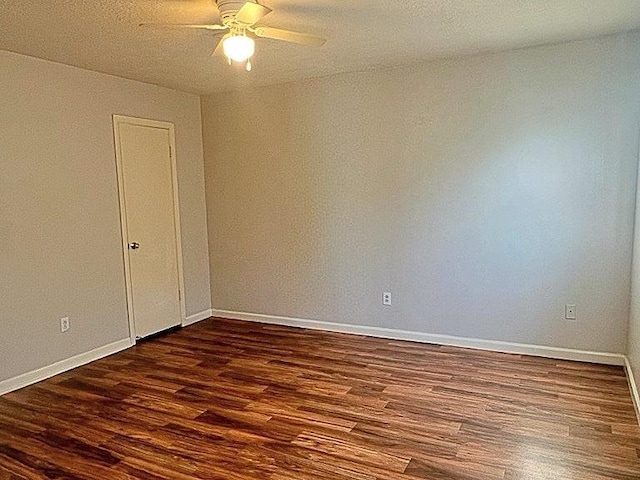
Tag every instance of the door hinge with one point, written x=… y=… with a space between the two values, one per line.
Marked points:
x=179 y=295
x=170 y=152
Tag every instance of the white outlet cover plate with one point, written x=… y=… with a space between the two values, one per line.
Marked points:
x=386 y=298
x=570 y=312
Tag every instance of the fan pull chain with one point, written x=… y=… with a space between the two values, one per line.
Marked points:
x=248 y=65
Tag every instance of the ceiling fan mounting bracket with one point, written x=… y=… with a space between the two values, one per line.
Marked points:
x=228 y=10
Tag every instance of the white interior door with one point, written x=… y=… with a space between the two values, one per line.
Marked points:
x=149 y=213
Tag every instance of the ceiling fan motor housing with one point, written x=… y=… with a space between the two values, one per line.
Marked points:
x=228 y=10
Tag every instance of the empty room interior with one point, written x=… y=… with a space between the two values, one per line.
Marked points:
x=318 y=239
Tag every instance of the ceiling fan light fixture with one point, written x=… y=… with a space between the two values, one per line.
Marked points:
x=238 y=47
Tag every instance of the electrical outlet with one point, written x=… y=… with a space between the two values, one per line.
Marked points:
x=64 y=324
x=386 y=298
x=570 y=312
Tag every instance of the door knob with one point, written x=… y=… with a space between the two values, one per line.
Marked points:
x=134 y=245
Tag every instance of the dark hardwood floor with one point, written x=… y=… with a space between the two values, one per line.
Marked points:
x=232 y=400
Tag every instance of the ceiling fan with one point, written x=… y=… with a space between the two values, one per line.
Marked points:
x=239 y=20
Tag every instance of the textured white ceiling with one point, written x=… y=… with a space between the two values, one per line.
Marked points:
x=103 y=35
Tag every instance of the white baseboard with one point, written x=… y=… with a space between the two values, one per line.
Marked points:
x=43 y=373
x=492 y=345
x=197 y=317
x=633 y=386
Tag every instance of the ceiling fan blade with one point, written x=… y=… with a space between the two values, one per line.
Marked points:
x=251 y=13
x=218 y=50
x=178 y=25
x=289 y=36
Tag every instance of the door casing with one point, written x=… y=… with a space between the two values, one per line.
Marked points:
x=117 y=121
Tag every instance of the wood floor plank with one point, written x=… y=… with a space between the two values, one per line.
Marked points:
x=232 y=400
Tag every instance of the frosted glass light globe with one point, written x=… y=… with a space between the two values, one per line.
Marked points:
x=238 y=47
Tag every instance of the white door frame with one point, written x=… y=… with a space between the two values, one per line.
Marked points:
x=117 y=121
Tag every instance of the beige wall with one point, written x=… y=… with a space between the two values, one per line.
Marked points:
x=483 y=192
x=60 y=244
